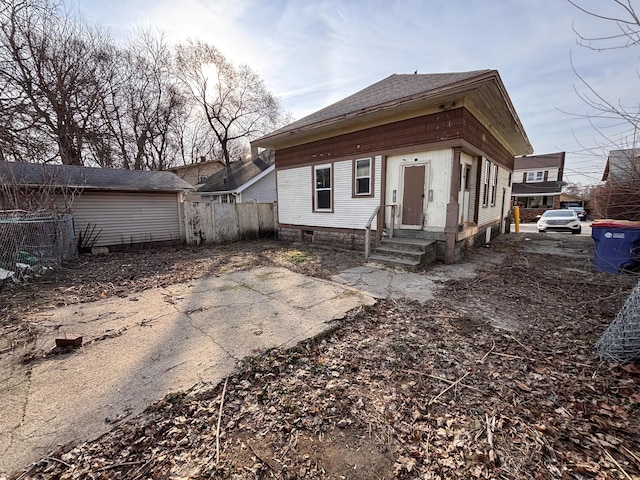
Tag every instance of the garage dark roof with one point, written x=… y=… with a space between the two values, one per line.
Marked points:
x=231 y=178
x=34 y=174
x=537 y=188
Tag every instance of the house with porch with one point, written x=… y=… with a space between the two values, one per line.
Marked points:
x=537 y=183
x=414 y=159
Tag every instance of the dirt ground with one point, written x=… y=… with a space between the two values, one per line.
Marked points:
x=397 y=390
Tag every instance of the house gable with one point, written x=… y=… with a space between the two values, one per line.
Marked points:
x=197 y=173
x=622 y=166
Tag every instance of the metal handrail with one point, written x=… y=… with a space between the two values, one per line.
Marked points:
x=367 y=232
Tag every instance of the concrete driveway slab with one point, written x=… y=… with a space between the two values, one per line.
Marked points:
x=138 y=349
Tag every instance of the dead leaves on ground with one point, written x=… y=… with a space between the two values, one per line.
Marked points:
x=403 y=390
x=391 y=394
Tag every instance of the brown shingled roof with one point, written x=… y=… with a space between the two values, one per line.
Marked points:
x=394 y=89
x=400 y=92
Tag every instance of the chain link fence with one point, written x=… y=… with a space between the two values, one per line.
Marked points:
x=621 y=340
x=33 y=243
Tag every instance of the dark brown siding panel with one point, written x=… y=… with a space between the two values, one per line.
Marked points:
x=458 y=123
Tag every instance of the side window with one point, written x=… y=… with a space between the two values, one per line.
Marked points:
x=322 y=188
x=533 y=177
x=494 y=185
x=362 y=176
x=486 y=183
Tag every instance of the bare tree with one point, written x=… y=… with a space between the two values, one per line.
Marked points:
x=618 y=199
x=234 y=100
x=55 y=67
x=142 y=104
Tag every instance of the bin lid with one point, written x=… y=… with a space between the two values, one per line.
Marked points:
x=610 y=223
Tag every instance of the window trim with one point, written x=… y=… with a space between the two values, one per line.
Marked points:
x=486 y=182
x=494 y=185
x=315 y=190
x=354 y=193
x=532 y=176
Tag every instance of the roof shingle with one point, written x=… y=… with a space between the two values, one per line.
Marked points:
x=33 y=174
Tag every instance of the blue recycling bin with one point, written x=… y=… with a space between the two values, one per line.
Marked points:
x=617 y=245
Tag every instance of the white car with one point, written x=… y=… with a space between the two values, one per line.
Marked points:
x=559 y=221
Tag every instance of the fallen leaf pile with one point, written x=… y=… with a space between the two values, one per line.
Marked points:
x=408 y=390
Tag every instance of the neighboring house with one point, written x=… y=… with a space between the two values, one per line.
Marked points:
x=242 y=182
x=437 y=150
x=121 y=207
x=619 y=197
x=537 y=180
x=622 y=166
x=197 y=173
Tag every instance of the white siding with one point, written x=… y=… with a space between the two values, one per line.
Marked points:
x=263 y=191
x=125 y=218
x=295 y=198
x=438 y=163
x=492 y=212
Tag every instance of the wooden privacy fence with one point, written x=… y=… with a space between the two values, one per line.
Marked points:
x=228 y=222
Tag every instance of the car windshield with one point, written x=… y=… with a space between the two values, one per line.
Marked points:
x=559 y=213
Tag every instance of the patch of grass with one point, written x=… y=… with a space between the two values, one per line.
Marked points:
x=297 y=257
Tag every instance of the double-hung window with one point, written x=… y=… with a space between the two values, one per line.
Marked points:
x=533 y=177
x=494 y=185
x=486 y=183
x=322 y=182
x=362 y=176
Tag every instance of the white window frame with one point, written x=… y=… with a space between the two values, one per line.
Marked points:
x=535 y=177
x=494 y=185
x=486 y=182
x=323 y=189
x=368 y=177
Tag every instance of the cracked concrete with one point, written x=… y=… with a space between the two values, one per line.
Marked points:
x=382 y=282
x=138 y=349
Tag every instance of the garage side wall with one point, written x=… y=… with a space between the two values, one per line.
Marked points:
x=123 y=219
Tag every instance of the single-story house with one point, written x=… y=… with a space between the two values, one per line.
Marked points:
x=120 y=207
x=244 y=181
x=432 y=152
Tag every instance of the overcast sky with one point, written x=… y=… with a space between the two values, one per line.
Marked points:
x=312 y=53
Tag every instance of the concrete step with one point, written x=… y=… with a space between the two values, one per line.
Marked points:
x=406 y=244
x=392 y=251
x=410 y=265
x=407 y=253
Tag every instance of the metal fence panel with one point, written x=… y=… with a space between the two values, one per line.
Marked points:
x=32 y=243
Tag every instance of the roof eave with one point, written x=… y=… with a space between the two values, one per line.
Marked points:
x=521 y=147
